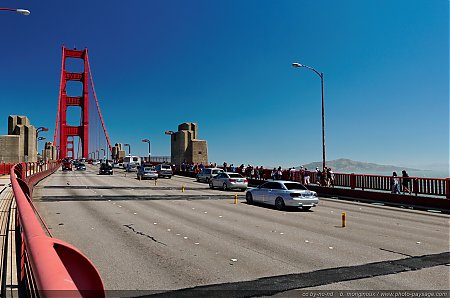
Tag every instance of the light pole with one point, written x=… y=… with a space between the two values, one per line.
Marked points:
x=103 y=150
x=170 y=133
x=149 y=154
x=24 y=12
x=320 y=74
x=38 y=130
x=129 y=148
x=98 y=154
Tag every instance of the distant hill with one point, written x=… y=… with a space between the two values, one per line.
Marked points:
x=344 y=165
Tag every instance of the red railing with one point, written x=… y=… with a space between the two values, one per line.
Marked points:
x=439 y=187
x=48 y=267
x=417 y=185
x=5 y=168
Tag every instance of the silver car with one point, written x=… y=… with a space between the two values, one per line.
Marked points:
x=145 y=172
x=282 y=193
x=207 y=173
x=229 y=181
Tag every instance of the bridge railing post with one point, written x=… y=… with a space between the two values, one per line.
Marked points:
x=352 y=181
x=416 y=186
x=447 y=188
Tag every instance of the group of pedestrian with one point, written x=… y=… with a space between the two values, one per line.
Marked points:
x=395 y=182
x=276 y=174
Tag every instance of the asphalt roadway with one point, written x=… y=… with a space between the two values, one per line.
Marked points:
x=148 y=239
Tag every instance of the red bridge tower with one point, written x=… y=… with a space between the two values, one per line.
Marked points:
x=68 y=133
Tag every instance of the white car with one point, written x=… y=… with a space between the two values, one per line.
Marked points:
x=282 y=193
x=229 y=181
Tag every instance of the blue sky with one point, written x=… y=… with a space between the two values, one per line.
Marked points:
x=227 y=66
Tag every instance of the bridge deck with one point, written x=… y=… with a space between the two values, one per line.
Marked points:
x=146 y=237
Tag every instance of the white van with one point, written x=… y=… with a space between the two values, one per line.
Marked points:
x=133 y=161
x=164 y=170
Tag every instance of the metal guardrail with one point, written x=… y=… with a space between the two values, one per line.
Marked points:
x=49 y=267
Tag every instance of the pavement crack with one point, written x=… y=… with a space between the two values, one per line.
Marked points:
x=396 y=252
x=129 y=226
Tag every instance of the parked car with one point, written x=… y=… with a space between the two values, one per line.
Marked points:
x=207 y=173
x=229 y=181
x=164 y=170
x=145 y=172
x=106 y=169
x=81 y=167
x=131 y=168
x=67 y=166
x=283 y=193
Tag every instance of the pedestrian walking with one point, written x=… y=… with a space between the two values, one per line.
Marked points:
x=395 y=183
x=261 y=173
x=405 y=182
x=291 y=174
x=257 y=177
x=274 y=174
x=318 y=176
x=330 y=178
x=307 y=176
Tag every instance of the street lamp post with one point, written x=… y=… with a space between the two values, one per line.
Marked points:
x=149 y=152
x=98 y=154
x=103 y=150
x=129 y=148
x=24 y=12
x=320 y=74
x=38 y=130
x=39 y=139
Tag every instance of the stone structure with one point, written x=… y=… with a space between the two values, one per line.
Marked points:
x=186 y=147
x=20 y=143
x=117 y=152
x=49 y=152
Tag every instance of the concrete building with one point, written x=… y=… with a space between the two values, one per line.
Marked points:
x=49 y=152
x=20 y=143
x=186 y=147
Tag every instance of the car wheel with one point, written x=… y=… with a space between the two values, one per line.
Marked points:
x=211 y=185
x=224 y=186
x=306 y=208
x=249 y=197
x=207 y=180
x=279 y=203
x=198 y=179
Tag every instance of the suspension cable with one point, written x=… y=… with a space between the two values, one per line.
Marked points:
x=98 y=107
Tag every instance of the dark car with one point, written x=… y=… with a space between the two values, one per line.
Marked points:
x=81 y=167
x=106 y=169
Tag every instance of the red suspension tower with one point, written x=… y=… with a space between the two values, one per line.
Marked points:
x=66 y=132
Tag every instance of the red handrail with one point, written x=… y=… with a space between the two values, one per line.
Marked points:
x=56 y=265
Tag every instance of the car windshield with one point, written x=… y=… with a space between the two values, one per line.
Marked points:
x=292 y=185
x=217 y=171
x=165 y=167
x=235 y=176
x=148 y=169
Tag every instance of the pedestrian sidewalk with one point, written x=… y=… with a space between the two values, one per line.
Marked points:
x=7 y=239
